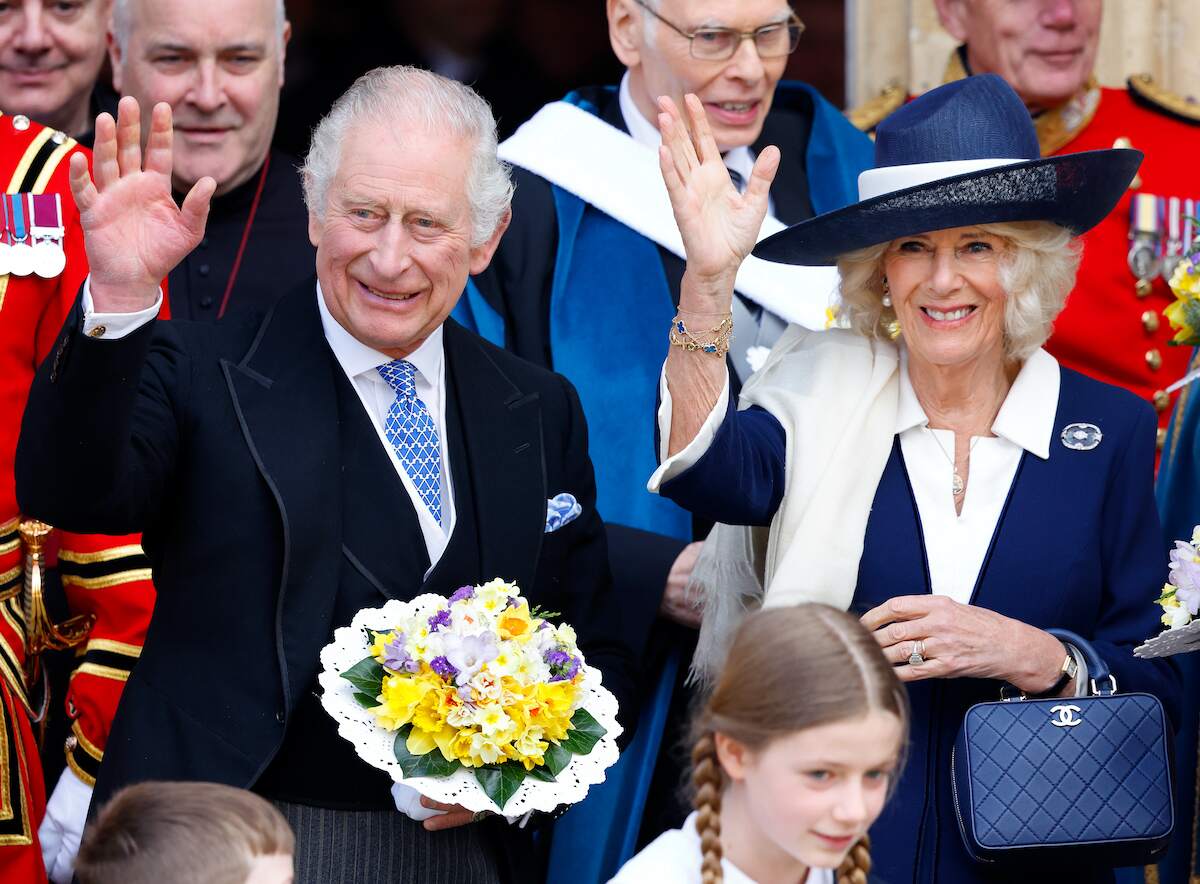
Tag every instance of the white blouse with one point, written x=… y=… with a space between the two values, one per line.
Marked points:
x=955 y=543
x=674 y=858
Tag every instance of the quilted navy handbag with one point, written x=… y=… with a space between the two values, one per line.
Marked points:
x=1068 y=777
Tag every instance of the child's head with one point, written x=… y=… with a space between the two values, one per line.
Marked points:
x=802 y=736
x=186 y=833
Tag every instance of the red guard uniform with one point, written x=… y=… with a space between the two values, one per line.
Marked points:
x=105 y=576
x=1112 y=327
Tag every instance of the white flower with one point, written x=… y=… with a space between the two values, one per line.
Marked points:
x=494 y=721
x=493 y=596
x=566 y=634
x=486 y=749
x=1196 y=536
x=484 y=686
x=1177 y=616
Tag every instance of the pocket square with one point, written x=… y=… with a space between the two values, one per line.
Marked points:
x=561 y=509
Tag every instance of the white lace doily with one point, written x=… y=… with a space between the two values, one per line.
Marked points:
x=374 y=744
x=1171 y=641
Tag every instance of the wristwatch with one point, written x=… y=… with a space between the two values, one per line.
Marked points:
x=1065 y=674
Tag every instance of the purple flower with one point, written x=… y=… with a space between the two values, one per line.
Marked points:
x=440 y=619
x=1185 y=576
x=443 y=667
x=463 y=592
x=396 y=658
x=563 y=666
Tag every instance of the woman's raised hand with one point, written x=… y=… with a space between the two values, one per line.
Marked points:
x=133 y=231
x=719 y=226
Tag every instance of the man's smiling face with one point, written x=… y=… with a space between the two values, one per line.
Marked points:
x=394 y=246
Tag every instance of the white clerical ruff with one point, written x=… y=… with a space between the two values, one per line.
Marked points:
x=566 y=145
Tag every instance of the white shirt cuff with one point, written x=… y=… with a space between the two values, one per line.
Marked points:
x=111 y=326
x=670 y=467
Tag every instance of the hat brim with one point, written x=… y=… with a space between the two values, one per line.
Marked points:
x=1074 y=190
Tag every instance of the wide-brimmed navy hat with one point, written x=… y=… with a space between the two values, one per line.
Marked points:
x=963 y=154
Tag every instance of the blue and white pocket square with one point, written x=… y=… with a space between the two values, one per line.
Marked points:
x=561 y=509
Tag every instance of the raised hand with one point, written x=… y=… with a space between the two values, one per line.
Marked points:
x=719 y=226
x=133 y=231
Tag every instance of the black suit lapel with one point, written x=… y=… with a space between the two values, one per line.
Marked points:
x=504 y=461
x=283 y=394
x=382 y=535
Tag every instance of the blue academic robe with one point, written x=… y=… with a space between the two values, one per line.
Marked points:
x=1077 y=546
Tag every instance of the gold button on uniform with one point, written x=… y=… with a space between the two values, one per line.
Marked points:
x=98 y=332
x=1154 y=359
x=20 y=122
x=71 y=743
x=1150 y=321
x=1122 y=143
x=1143 y=288
x=1161 y=400
x=1136 y=183
x=1162 y=437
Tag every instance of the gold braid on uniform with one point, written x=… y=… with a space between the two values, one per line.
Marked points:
x=707 y=783
x=857 y=864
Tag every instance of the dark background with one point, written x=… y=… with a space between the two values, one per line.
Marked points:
x=528 y=52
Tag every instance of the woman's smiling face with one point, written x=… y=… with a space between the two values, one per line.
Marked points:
x=947 y=292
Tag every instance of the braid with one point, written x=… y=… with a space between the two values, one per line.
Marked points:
x=857 y=864
x=707 y=782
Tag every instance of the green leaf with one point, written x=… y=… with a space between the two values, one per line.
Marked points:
x=432 y=764
x=366 y=675
x=557 y=758
x=366 y=701
x=500 y=782
x=584 y=734
x=540 y=773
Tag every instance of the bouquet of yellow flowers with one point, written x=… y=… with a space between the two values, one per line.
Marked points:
x=1184 y=312
x=475 y=699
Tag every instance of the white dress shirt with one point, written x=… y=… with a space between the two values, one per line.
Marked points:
x=955 y=543
x=674 y=857
x=359 y=362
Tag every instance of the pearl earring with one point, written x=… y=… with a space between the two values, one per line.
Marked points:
x=887 y=297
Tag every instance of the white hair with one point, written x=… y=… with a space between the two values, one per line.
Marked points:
x=122 y=22
x=1037 y=273
x=406 y=96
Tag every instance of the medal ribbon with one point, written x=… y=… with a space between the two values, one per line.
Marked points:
x=7 y=232
x=47 y=214
x=20 y=229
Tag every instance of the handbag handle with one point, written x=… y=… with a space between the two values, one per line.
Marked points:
x=1097 y=667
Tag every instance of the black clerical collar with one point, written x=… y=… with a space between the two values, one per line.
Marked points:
x=237 y=200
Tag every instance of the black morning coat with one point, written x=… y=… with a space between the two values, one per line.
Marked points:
x=270 y=512
x=518 y=285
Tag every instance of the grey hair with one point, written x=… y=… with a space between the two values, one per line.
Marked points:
x=403 y=94
x=122 y=22
x=1037 y=273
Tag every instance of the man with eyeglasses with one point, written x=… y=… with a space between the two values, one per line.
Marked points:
x=587 y=278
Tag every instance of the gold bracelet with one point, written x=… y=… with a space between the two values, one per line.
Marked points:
x=714 y=341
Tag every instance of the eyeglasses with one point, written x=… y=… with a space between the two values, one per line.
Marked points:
x=719 y=44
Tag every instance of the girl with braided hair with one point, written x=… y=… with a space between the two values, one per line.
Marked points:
x=795 y=752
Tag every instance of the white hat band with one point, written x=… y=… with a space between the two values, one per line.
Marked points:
x=888 y=179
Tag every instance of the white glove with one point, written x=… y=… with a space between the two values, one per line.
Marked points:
x=59 y=834
x=408 y=802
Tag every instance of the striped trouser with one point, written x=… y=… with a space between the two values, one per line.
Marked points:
x=385 y=847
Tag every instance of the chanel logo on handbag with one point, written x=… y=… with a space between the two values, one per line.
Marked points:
x=1066 y=716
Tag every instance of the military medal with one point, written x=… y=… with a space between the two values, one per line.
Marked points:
x=21 y=256
x=49 y=259
x=5 y=248
x=1173 y=253
x=1145 y=234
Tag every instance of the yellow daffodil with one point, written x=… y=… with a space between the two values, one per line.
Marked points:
x=514 y=623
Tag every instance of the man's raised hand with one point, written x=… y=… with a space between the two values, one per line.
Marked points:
x=133 y=231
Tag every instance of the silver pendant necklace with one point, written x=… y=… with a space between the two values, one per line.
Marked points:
x=957 y=484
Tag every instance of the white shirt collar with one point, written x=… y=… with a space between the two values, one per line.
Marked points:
x=1026 y=418
x=740 y=159
x=357 y=358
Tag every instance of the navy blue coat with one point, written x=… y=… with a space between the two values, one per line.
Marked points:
x=1077 y=546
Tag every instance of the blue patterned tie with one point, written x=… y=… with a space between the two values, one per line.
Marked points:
x=413 y=435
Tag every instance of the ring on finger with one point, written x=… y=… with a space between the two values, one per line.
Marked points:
x=917 y=656
x=480 y=815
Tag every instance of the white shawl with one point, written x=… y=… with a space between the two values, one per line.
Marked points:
x=836 y=394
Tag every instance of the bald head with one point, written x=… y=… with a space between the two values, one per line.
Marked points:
x=219 y=64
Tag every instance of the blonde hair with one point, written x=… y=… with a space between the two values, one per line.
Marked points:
x=845 y=675
x=186 y=833
x=1037 y=272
